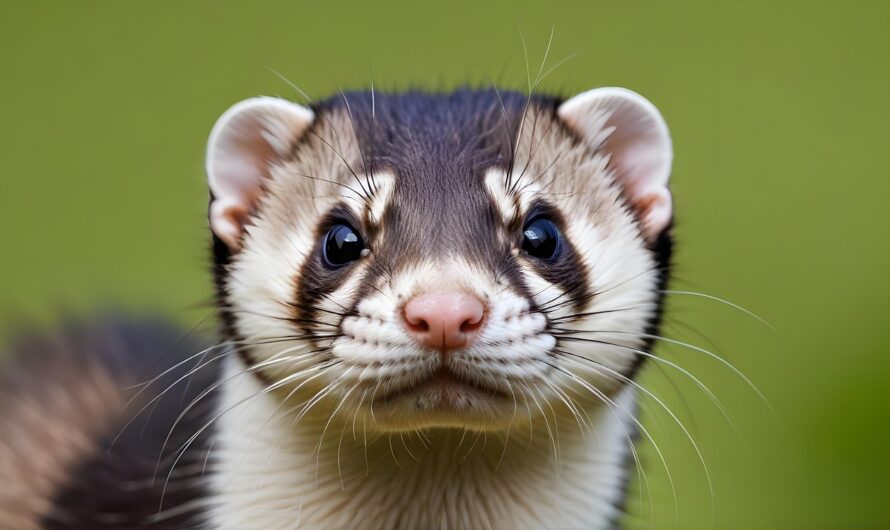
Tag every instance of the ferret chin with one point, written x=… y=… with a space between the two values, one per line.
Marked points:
x=433 y=310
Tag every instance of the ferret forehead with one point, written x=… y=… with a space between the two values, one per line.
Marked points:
x=417 y=132
x=438 y=223
x=437 y=148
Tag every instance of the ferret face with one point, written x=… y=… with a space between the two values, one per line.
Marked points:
x=469 y=260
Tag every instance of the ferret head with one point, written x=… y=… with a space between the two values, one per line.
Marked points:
x=442 y=260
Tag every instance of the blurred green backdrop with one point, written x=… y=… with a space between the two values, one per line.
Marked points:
x=779 y=112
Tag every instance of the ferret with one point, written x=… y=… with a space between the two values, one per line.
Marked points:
x=433 y=308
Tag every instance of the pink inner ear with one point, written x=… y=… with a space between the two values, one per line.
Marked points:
x=655 y=212
x=240 y=172
x=632 y=133
x=239 y=167
x=227 y=221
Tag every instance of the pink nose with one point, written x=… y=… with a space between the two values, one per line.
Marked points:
x=444 y=321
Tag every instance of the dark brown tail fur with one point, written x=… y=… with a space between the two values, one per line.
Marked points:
x=75 y=454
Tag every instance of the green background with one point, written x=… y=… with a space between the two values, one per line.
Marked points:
x=780 y=113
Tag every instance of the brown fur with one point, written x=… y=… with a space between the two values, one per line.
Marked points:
x=82 y=438
x=54 y=405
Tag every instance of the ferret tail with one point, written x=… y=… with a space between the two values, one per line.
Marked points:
x=65 y=396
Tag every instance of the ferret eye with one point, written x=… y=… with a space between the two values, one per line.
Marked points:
x=342 y=245
x=540 y=238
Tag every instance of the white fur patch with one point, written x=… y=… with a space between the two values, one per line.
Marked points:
x=320 y=473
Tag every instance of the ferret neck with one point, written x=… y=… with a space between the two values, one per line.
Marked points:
x=270 y=471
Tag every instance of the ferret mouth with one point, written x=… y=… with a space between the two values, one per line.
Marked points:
x=443 y=387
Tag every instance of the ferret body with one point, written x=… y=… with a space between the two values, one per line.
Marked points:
x=433 y=309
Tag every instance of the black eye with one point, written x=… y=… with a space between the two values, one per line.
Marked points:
x=540 y=238
x=341 y=245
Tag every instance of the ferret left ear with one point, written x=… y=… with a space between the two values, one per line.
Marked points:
x=629 y=129
x=247 y=140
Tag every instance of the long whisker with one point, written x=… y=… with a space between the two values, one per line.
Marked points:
x=275 y=359
x=372 y=187
x=613 y=407
x=366 y=194
x=207 y=391
x=693 y=347
x=290 y=83
x=554 y=440
x=185 y=377
x=328 y=423
x=509 y=427
x=599 y=366
x=303 y=406
x=278 y=384
x=641 y=474
x=721 y=300
x=673 y=365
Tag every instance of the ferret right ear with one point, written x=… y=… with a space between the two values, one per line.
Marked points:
x=627 y=128
x=244 y=144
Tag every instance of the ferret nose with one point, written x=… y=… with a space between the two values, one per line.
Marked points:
x=444 y=321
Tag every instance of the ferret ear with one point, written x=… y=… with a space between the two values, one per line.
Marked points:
x=629 y=129
x=245 y=142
